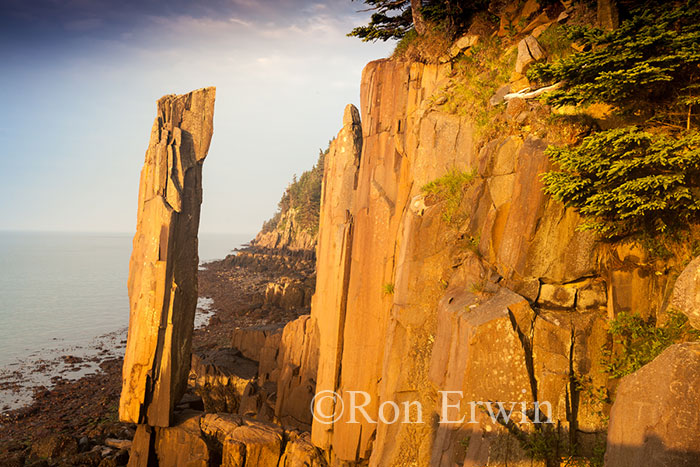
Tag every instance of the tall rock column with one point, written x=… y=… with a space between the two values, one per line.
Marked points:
x=333 y=257
x=164 y=261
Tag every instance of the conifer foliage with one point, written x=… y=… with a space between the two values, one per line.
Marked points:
x=647 y=68
x=393 y=19
x=303 y=196
x=642 y=177
x=627 y=181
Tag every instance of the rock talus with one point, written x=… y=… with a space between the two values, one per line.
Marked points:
x=163 y=267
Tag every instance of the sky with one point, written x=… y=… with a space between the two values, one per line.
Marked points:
x=79 y=80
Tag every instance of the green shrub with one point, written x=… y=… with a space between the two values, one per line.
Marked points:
x=556 y=42
x=639 y=341
x=628 y=181
x=638 y=179
x=388 y=288
x=645 y=68
x=450 y=188
x=405 y=42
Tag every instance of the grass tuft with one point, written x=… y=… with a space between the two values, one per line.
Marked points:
x=450 y=189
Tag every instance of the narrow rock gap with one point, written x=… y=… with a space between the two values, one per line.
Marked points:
x=526 y=342
x=574 y=393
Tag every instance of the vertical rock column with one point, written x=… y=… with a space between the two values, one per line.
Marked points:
x=164 y=261
x=333 y=258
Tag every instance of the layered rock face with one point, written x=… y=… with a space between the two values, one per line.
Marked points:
x=163 y=267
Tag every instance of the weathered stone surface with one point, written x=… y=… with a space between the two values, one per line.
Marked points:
x=54 y=447
x=608 y=16
x=592 y=296
x=164 y=261
x=529 y=51
x=567 y=350
x=182 y=444
x=252 y=340
x=333 y=254
x=229 y=440
x=556 y=296
x=267 y=365
x=297 y=363
x=141 y=454
x=686 y=293
x=288 y=294
x=514 y=15
x=633 y=285
x=292 y=235
x=299 y=451
x=261 y=442
x=516 y=108
x=222 y=378
x=382 y=232
x=497 y=98
x=478 y=350
x=463 y=43
x=655 y=420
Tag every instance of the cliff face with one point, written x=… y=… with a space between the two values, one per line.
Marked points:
x=294 y=227
x=507 y=304
x=287 y=235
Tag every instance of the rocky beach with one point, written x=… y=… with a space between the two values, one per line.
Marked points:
x=75 y=422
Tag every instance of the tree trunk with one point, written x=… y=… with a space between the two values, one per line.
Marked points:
x=608 y=17
x=418 y=20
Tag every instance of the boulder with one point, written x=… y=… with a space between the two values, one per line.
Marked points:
x=300 y=451
x=164 y=261
x=118 y=443
x=244 y=441
x=183 y=443
x=222 y=378
x=686 y=293
x=655 y=421
x=54 y=447
x=497 y=98
x=529 y=51
x=287 y=294
x=463 y=43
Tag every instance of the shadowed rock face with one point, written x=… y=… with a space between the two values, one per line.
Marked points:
x=163 y=267
x=654 y=420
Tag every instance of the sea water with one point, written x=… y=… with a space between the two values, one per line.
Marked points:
x=62 y=292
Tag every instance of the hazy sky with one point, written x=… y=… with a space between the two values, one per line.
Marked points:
x=78 y=85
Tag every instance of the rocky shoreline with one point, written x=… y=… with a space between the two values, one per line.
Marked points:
x=76 y=422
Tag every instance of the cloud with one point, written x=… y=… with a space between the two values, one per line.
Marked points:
x=240 y=21
x=86 y=24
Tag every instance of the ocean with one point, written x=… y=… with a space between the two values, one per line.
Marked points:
x=65 y=293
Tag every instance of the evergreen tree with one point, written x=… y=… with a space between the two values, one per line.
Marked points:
x=641 y=179
x=392 y=19
x=647 y=68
